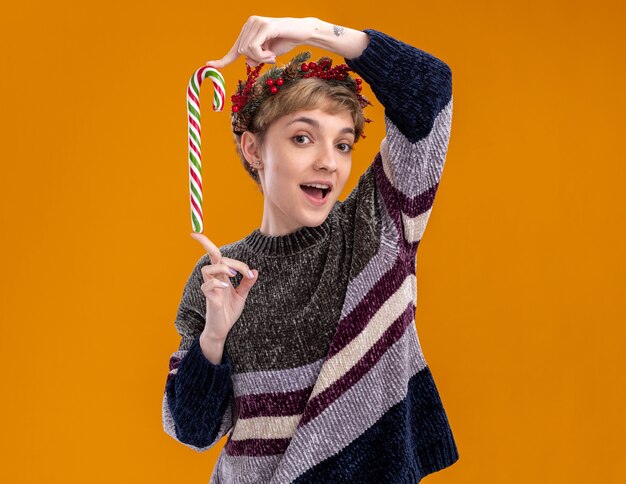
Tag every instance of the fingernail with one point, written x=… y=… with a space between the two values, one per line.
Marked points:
x=232 y=271
x=251 y=274
x=224 y=284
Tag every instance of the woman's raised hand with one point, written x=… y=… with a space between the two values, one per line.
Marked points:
x=224 y=303
x=263 y=38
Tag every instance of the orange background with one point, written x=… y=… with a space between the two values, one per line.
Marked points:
x=521 y=271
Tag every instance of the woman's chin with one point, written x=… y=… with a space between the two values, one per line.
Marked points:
x=317 y=217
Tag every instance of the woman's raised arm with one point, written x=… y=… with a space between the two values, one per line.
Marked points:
x=415 y=87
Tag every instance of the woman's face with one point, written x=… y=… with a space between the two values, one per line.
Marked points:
x=305 y=147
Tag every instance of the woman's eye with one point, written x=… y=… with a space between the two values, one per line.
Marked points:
x=347 y=148
x=298 y=136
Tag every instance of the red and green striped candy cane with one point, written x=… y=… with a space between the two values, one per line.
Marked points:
x=193 y=117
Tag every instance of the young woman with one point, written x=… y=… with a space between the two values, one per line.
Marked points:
x=298 y=342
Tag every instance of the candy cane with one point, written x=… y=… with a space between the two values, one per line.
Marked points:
x=193 y=117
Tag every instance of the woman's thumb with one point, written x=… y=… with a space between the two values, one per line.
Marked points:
x=246 y=284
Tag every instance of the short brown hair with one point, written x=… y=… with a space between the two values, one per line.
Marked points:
x=302 y=94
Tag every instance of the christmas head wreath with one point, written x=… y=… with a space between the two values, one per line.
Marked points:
x=252 y=93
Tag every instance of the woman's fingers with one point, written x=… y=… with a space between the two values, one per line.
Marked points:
x=214 y=253
x=250 y=42
x=257 y=43
x=233 y=53
x=248 y=32
x=255 y=38
x=245 y=285
x=246 y=46
x=243 y=35
x=214 y=284
x=228 y=267
x=224 y=61
x=220 y=265
x=239 y=266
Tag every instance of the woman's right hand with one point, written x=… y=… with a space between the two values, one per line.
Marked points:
x=224 y=303
x=262 y=39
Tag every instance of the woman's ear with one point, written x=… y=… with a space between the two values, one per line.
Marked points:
x=250 y=148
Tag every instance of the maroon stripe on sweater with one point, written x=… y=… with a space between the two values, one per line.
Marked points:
x=273 y=404
x=367 y=362
x=388 y=192
x=411 y=206
x=174 y=362
x=256 y=447
x=353 y=323
x=419 y=204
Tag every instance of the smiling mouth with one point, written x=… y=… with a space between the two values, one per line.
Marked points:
x=319 y=193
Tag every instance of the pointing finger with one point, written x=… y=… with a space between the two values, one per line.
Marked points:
x=232 y=54
x=224 y=61
x=217 y=63
x=214 y=253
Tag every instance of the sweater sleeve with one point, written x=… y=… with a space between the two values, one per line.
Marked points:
x=198 y=402
x=415 y=89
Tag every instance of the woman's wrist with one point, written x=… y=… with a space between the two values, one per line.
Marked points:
x=213 y=349
x=346 y=42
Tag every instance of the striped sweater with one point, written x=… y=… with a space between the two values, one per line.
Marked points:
x=323 y=378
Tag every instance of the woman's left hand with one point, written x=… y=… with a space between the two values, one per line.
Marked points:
x=263 y=38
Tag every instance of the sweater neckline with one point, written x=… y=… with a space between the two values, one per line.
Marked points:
x=288 y=244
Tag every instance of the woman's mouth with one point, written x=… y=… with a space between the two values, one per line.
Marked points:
x=315 y=194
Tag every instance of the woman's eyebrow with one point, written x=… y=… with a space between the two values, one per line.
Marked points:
x=315 y=124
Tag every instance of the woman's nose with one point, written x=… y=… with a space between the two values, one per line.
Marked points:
x=326 y=159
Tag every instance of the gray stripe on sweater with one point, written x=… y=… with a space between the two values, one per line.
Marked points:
x=419 y=163
x=231 y=469
x=288 y=380
x=364 y=407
